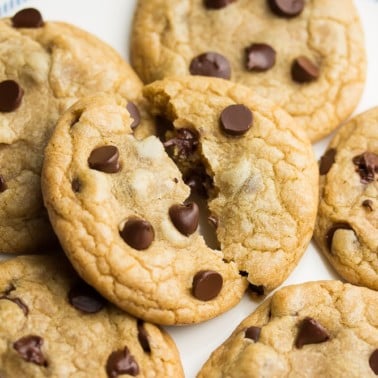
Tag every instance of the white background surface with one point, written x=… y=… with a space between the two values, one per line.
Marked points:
x=111 y=20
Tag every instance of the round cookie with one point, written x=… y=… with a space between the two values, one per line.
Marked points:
x=318 y=329
x=309 y=61
x=45 y=67
x=347 y=218
x=54 y=325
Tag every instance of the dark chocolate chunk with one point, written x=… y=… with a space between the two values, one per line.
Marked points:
x=121 y=362
x=3 y=184
x=327 y=161
x=143 y=336
x=286 y=8
x=105 y=159
x=260 y=57
x=29 y=348
x=331 y=231
x=76 y=185
x=134 y=113
x=311 y=332
x=253 y=333
x=138 y=233
x=86 y=299
x=373 y=361
x=18 y=302
x=367 y=166
x=207 y=284
x=236 y=120
x=211 y=64
x=256 y=289
x=185 y=141
x=217 y=4
x=368 y=204
x=27 y=18
x=185 y=217
x=10 y=96
x=303 y=70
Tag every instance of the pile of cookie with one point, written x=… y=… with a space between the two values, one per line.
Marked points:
x=105 y=183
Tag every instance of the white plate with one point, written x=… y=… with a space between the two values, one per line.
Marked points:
x=111 y=21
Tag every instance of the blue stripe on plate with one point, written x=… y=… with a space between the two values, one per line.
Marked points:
x=6 y=7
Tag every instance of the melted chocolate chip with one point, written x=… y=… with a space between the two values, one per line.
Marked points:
x=257 y=289
x=185 y=141
x=332 y=230
x=3 y=184
x=76 y=185
x=303 y=70
x=18 y=302
x=253 y=333
x=373 y=361
x=211 y=64
x=311 y=332
x=134 y=113
x=10 y=96
x=138 y=233
x=29 y=348
x=217 y=4
x=105 y=159
x=236 y=120
x=326 y=161
x=286 y=8
x=198 y=180
x=207 y=284
x=185 y=217
x=143 y=337
x=368 y=204
x=86 y=299
x=367 y=166
x=213 y=220
x=260 y=57
x=27 y=18
x=121 y=362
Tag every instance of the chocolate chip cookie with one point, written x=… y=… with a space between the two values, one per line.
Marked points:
x=348 y=218
x=319 y=329
x=52 y=324
x=307 y=56
x=44 y=68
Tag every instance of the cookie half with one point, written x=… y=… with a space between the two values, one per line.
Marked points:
x=52 y=324
x=348 y=210
x=45 y=67
x=306 y=56
x=317 y=329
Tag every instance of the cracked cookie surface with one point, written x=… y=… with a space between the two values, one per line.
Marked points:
x=117 y=205
x=54 y=325
x=312 y=64
x=317 y=329
x=43 y=70
x=347 y=218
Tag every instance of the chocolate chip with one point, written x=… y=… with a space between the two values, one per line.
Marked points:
x=217 y=4
x=185 y=217
x=198 y=180
x=19 y=303
x=260 y=57
x=3 y=184
x=105 y=159
x=185 y=142
x=206 y=285
x=253 y=333
x=286 y=8
x=10 y=96
x=143 y=337
x=327 y=161
x=121 y=362
x=373 y=361
x=236 y=119
x=138 y=233
x=86 y=299
x=257 y=289
x=311 y=332
x=76 y=185
x=134 y=113
x=29 y=348
x=211 y=64
x=213 y=220
x=368 y=204
x=367 y=166
x=331 y=232
x=27 y=18
x=303 y=70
